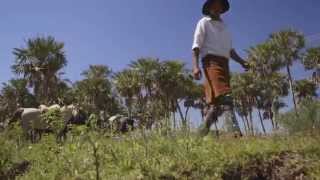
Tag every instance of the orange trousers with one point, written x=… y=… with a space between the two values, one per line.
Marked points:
x=217 y=77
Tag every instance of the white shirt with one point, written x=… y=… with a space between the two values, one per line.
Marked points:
x=212 y=37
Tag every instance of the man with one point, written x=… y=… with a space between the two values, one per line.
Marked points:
x=213 y=44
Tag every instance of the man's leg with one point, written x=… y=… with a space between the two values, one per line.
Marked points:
x=210 y=118
x=227 y=107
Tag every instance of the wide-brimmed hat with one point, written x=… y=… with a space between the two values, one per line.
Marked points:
x=206 y=6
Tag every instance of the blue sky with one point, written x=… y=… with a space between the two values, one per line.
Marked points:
x=114 y=32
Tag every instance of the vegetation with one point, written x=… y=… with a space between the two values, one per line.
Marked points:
x=311 y=61
x=176 y=156
x=309 y=122
x=158 y=96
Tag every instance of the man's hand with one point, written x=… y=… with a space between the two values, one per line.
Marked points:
x=245 y=65
x=234 y=55
x=197 y=73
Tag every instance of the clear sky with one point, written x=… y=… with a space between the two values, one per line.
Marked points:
x=115 y=32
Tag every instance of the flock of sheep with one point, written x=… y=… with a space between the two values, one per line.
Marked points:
x=33 y=124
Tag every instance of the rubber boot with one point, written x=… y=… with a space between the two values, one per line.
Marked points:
x=210 y=118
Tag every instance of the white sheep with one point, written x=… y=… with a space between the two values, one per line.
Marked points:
x=31 y=121
x=121 y=123
x=44 y=108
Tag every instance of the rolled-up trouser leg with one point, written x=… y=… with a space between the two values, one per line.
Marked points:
x=226 y=103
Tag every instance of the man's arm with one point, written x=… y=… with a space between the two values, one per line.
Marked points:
x=199 y=36
x=234 y=55
x=195 y=61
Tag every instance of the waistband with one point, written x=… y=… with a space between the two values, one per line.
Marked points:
x=211 y=59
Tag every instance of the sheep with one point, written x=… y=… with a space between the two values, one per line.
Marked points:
x=33 y=125
x=31 y=122
x=79 y=117
x=44 y=108
x=120 y=123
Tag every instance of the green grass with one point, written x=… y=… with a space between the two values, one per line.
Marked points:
x=163 y=157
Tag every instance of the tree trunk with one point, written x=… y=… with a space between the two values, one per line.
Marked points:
x=174 y=120
x=271 y=118
x=202 y=114
x=184 y=123
x=251 y=122
x=261 y=121
x=244 y=124
x=275 y=116
x=129 y=105
x=37 y=91
x=217 y=129
x=292 y=89
x=260 y=117
x=46 y=90
x=186 y=114
x=248 y=123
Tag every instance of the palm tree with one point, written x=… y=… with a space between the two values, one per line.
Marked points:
x=243 y=113
x=272 y=85
x=257 y=89
x=64 y=93
x=94 y=92
x=305 y=89
x=289 y=44
x=127 y=83
x=242 y=90
x=97 y=72
x=156 y=88
x=262 y=92
x=176 y=86
x=263 y=59
x=40 y=63
x=275 y=87
x=15 y=94
x=147 y=71
x=194 y=99
x=277 y=105
x=311 y=61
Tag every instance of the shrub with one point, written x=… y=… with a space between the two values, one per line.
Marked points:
x=307 y=120
x=11 y=164
x=53 y=119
